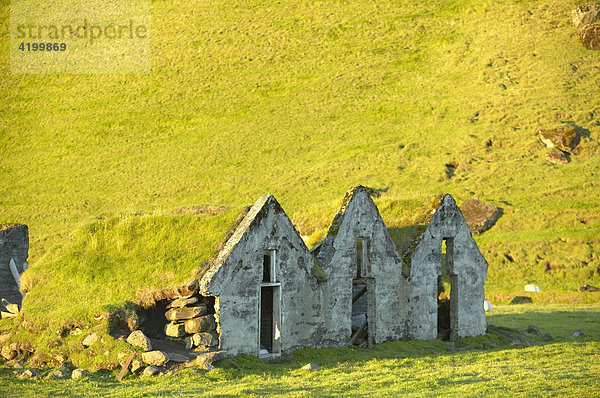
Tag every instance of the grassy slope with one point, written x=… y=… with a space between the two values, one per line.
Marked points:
x=304 y=99
x=560 y=367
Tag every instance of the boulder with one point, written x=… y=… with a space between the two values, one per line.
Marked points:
x=487 y=306
x=547 y=336
x=521 y=300
x=533 y=329
x=210 y=357
x=205 y=339
x=90 y=340
x=156 y=358
x=200 y=324
x=565 y=138
x=576 y=333
x=136 y=366
x=480 y=216
x=310 y=367
x=557 y=156
x=173 y=329
x=585 y=14
x=29 y=373
x=59 y=374
x=151 y=371
x=179 y=314
x=77 y=374
x=137 y=338
x=588 y=288
x=9 y=351
x=533 y=288
x=4 y=336
x=589 y=35
x=182 y=302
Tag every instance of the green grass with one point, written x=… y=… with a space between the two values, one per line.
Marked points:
x=561 y=367
x=303 y=100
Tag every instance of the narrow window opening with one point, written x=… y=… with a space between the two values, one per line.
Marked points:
x=447 y=297
x=266 y=268
x=363 y=266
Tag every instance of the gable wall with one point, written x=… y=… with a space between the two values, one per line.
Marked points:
x=426 y=264
x=339 y=260
x=237 y=286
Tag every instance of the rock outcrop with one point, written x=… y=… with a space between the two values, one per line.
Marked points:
x=480 y=216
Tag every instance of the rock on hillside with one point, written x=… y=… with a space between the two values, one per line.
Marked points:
x=585 y=14
x=480 y=216
x=590 y=36
x=565 y=138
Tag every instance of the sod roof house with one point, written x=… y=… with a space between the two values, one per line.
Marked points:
x=14 y=248
x=364 y=274
x=465 y=266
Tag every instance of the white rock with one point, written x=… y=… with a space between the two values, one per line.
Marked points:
x=151 y=371
x=487 y=306
x=77 y=374
x=90 y=340
x=310 y=366
x=156 y=358
x=137 y=338
x=533 y=288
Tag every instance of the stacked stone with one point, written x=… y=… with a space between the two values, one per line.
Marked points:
x=192 y=319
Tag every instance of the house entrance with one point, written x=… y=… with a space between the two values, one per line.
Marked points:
x=363 y=298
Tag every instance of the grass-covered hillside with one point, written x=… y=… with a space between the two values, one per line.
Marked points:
x=303 y=100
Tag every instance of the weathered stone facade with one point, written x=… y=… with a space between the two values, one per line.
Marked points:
x=359 y=251
x=14 y=245
x=266 y=299
x=465 y=266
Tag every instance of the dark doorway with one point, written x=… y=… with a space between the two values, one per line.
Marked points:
x=154 y=325
x=266 y=318
x=447 y=293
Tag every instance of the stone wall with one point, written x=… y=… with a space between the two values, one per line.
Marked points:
x=14 y=244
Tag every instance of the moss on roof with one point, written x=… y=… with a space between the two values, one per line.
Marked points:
x=110 y=261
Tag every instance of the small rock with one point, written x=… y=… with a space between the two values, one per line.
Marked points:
x=487 y=306
x=534 y=330
x=137 y=338
x=179 y=314
x=173 y=356
x=557 y=156
x=151 y=371
x=20 y=364
x=59 y=374
x=480 y=216
x=182 y=302
x=4 y=336
x=77 y=374
x=588 y=288
x=29 y=373
x=310 y=366
x=589 y=35
x=565 y=138
x=175 y=329
x=585 y=14
x=533 y=288
x=156 y=358
x=521 y=300
x=210 y=357
x=547 y=336
x=208 y=366
x=576 y=333
x=9 y=351
x=136 y=366
x=527 y=343
x=90 y=340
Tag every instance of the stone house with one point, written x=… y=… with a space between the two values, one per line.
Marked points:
x=364 y=274
x=14 y=248
x=466 y=268
x=266 y=299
